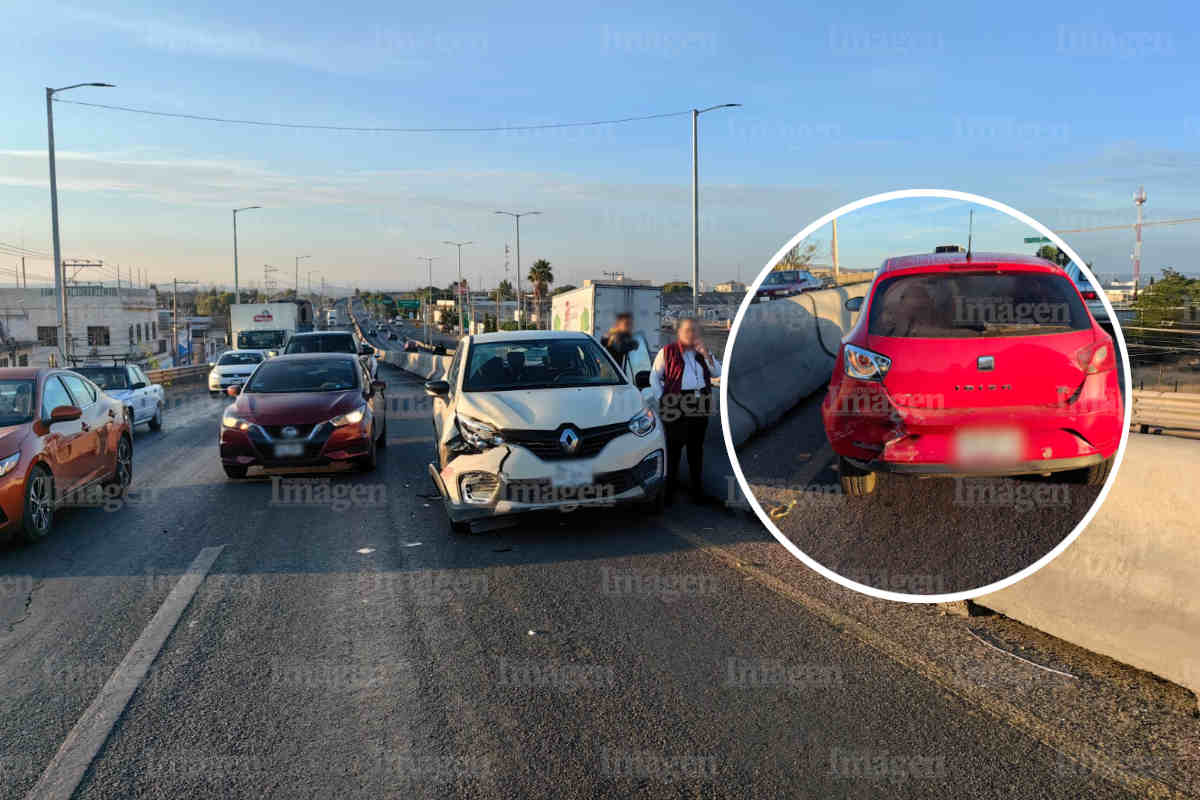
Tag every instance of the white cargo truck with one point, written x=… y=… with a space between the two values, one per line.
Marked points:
x=593 y=308
x=263 y=326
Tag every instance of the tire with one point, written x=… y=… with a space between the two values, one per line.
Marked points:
x=156 y=420
x=1097 y=474
x=383 y=435
x=234 y=471
x=856 y=481
x=129 y=419
x=368 y=462
x=38 y=518
x=122 y=475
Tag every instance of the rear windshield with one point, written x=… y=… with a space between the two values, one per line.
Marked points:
x=259 y=340
x=240 y=358
x=304 y=375
x=322 y=344
x=106 y=377
x=782 y=276
x=538 y=364
x=978 y=304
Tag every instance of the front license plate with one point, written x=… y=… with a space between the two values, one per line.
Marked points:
x=989 y=447
x=572 y=475
x=290 y=450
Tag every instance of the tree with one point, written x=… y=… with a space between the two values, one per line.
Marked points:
x=672 y=287
x=540 y=277
x=1052 y=253
x=1173 y=290
x=800 y=256
x=505 y=289
x=559 y=290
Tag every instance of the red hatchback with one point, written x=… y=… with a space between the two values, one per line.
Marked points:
x=304 y=410
x=982 y=364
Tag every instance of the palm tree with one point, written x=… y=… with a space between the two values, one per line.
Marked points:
x=540 y=277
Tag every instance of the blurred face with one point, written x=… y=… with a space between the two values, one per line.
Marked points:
x=687 y=333
x=624 y=325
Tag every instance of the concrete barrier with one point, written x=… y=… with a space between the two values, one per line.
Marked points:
x=785 y=351
x=1127 y=587
x=424 y=365
x=1176 y=410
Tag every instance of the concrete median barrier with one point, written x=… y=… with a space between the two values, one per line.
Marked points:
x=1175 y=410
x=1127 y=587
x=424 y=365
x=785 y=350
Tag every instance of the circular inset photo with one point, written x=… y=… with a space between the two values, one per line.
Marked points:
x=925 y=395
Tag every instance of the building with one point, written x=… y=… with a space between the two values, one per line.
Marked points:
x=731 y=287
x=101 y=320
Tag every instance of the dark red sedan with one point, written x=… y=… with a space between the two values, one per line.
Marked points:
x=309 y=409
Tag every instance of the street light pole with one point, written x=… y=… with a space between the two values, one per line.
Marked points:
x=696 y=203
x=237 y=297
x=298 y=275
x=428 y=296
x=517 y=216
x=459 y=245
x=60 y=289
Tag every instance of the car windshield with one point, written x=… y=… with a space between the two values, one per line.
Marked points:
x=259 y=340
x=16 y=402
x=322 y=343
x=304 y=375
x=538 y=364
x=240 y=358
x=950 y=305
x=106 y=377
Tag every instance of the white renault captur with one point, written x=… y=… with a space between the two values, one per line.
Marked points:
x=534 y=420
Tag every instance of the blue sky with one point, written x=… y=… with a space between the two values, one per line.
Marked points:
x=1059 y=111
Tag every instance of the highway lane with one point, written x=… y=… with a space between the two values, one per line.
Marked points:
x=917 y=536
x=361 y=650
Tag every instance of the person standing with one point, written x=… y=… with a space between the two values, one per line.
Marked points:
x=619 y=340
x=681 y=380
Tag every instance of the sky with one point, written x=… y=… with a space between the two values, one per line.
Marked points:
x=1060 y=110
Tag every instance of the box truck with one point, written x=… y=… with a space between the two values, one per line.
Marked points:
x=263 y=326
x=593 y=309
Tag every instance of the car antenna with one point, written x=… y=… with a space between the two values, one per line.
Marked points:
x=970 y=230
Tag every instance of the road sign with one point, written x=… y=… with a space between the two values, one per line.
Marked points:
x=409 y=305
x=1036 y=239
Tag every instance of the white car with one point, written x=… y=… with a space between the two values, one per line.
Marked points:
x=535 y=420
x=233 y=367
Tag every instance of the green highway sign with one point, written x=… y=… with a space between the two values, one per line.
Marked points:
x=1036 y=239
x=408 y=304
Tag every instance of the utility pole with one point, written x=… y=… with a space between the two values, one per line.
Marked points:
x=428 y=296
x=237 y=297
x=459 y=292
x=24 y=277
x=836 y=279
x=268 y=281
x=298 y=275
x=517 y=217
x=1139 y=200
x=175 y=319
x=696 y=112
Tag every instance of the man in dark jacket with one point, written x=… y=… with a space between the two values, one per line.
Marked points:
x=619 y=339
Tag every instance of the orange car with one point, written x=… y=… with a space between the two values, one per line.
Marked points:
x=62 y=440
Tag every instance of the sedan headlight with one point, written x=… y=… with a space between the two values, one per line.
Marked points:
x=8 y=464
x=865 y=365
x=478 y=434
x=235 y=422
x=351 y=418
x=643 y=422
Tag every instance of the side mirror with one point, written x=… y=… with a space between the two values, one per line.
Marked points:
x=366 y=350
x=65 y=414
x=642 y=379
x=137 y=385
x=378 y=386
x=234 y=390
x=437 y=388
x=854 y=304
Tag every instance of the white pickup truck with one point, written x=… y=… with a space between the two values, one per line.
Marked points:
x=143 y=400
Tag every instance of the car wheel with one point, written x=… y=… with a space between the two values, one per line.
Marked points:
x=156 y=421
x=856 y=481
x=235 y=470
x=129 y=419
x=371 y=459
x=39 y=504
x=1097 y=474
x=122 y=475
x=383 y=434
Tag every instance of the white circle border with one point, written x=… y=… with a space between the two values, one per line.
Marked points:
x=790 y=546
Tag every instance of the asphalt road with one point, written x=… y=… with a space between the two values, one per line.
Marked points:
x=354 y=647
x=916 y=536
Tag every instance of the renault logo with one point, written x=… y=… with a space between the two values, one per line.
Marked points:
x=290 y=432
x=569 y=440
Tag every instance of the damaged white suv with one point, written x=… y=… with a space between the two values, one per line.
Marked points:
x=535 y=420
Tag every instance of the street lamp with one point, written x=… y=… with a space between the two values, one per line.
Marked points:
x=60 y=290
x=517 y=216
x=428 y=295
x=459 y=245
x=298 y=275
x=237 y=297
x=696 y=205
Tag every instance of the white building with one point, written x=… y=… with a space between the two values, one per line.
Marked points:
x=101 y=320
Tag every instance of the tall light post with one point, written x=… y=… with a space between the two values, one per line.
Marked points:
x=60 y=289
x=237 y=297
x=459 y=245
x=298 y=275
x=517 y=216
x=428 y=296
x=696 y=112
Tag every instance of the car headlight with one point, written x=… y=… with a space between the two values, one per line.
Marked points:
x=235 y=422
x=478 y=434
x=351 y=418
x=643 y=422
x=7 y=465
x=865 y=365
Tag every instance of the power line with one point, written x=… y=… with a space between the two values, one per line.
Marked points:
x=354 y=129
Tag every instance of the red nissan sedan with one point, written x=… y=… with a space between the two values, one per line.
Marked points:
x=970 y=365
x=304 y=410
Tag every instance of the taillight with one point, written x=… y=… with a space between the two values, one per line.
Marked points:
x=865 y=365
x=1088 y=294
x=1096 y=358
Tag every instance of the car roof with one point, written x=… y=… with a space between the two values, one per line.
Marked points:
x=303 y=356
x=936 y=262
x=258 y=350
x=308 y=334
x=24 y=372
x=527 y=336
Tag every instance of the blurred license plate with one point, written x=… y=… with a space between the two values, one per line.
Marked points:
x=989 y=447
x=289 y=450
x=572 y=475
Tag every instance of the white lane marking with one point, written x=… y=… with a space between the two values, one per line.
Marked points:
x=66 y=769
